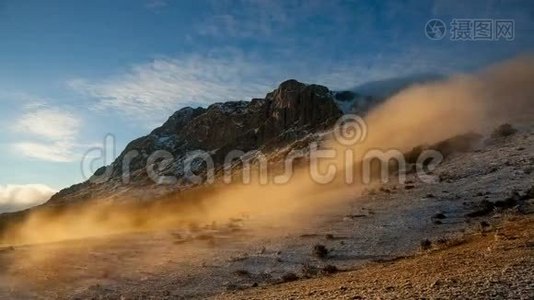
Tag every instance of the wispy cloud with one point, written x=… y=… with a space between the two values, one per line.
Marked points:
x=152 y=91
x=50 y=133
x=156 y=4
x=259 y=19
x=18 y=197
x=50 y=123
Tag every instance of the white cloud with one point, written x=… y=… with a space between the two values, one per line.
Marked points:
x=153 y=91
x=155 y=4
x=52 y=132
x=50 y=151
x=149 y=93
x=48 y=123
x=18 y=197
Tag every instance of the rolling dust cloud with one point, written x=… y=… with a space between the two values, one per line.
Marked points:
x=420 y=114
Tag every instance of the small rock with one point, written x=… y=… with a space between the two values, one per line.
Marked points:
x=409 y=186
x=439 y=216
x=435 y=283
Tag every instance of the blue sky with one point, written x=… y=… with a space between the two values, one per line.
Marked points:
x=73 y=71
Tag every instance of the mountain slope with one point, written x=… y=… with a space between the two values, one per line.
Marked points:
x=287 y=114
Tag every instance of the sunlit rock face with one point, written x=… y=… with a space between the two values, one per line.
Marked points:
x=285 y=115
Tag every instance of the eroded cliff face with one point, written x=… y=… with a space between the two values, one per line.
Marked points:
x=285 y=115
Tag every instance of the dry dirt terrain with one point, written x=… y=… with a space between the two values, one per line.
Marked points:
x=468 y=234
x=497 y=265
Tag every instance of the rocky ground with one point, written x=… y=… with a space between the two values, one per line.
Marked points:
x=468 y=234
x=490 y=265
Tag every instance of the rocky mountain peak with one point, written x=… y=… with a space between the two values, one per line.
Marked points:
x=288 y=113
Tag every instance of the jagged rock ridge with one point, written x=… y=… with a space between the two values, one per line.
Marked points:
x=288 y=113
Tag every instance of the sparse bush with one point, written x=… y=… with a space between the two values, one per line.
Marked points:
x=320 y=251
x=241 y=257
x=483 y=225
x=290 y=276
x=447 y=242
x=232 y=287
x=426 y=244
x=441 y=241
x=529 y=194
x=309 y=271
x=409 y=186
x=459 y=143
x=205 y=237
x=485 y=208
x=242 y=272
x=503 y=131
x=193 y=227
x=7 y=249
x=329 y=269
